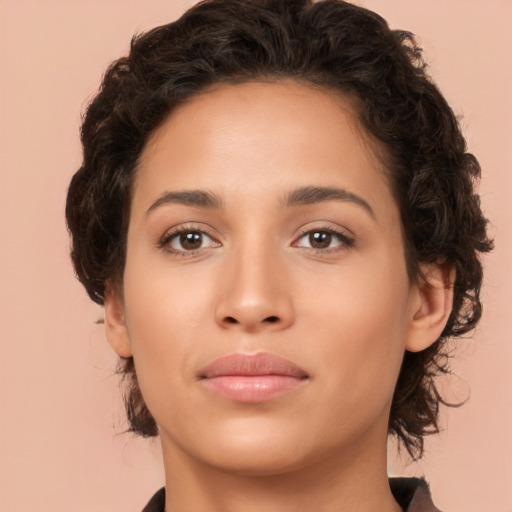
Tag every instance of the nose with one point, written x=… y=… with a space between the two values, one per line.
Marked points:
x=255 y=292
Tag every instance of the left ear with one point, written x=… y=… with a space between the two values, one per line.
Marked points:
x=432 y=305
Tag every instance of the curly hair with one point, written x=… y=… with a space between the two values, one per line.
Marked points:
x=331 y=44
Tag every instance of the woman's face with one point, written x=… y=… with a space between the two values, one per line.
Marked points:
x=263 y=229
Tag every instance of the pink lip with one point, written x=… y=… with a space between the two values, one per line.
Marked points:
x=252 y=378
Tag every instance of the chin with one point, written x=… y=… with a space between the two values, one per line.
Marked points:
x=259 y=446
x=262 y=459
x=246 y=446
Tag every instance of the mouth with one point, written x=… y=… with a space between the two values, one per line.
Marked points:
x=252 y=378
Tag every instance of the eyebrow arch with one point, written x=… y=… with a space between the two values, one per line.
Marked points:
x=313 y=195
x=199 y=198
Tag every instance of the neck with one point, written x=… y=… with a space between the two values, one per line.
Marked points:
x=342 y=482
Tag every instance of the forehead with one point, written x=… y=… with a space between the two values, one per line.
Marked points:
x=261 y=105
x=263 y=138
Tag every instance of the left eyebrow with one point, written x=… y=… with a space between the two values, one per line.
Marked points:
x=313 y=195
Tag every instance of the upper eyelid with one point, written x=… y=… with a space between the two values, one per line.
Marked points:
x=180 y=228
x=334 y=232
x=338 y=230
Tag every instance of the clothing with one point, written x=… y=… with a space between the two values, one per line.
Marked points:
x=411 y=494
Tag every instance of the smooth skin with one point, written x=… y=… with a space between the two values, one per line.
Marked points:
x=316 y=277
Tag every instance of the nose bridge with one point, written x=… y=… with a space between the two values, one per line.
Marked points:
x=253 y=294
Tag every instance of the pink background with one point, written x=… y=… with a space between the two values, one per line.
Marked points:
x=61 y=446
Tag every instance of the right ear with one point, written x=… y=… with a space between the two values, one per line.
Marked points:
x=115 y=322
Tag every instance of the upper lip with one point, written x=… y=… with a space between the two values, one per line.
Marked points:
x=247 y=365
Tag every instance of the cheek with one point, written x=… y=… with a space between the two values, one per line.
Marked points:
x=164 y=312
x=162 y=299
x=360 y=324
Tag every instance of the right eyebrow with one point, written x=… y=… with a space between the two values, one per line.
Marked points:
x=199 y=198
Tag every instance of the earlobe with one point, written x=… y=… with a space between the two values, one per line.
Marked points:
x=115 y=323
x=432 y=306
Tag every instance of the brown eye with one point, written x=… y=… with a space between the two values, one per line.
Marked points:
x=191 y=240
x=320 y=239
x=188 y=241
x=323 y=240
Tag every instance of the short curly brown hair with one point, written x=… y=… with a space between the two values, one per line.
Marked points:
x=331 y=44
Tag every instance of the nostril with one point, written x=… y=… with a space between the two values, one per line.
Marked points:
x=268 y=320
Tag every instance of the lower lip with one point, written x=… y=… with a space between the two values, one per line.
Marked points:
x=254 y=388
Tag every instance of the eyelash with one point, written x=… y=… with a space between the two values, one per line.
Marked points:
x=346 y=242
x=168 y=237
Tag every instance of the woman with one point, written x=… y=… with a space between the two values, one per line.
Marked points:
x=276 y=209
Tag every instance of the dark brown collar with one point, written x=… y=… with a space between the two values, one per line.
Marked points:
x=412 y=494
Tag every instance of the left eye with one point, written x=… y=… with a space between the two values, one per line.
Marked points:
x=192 y=240
x=322 y=239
